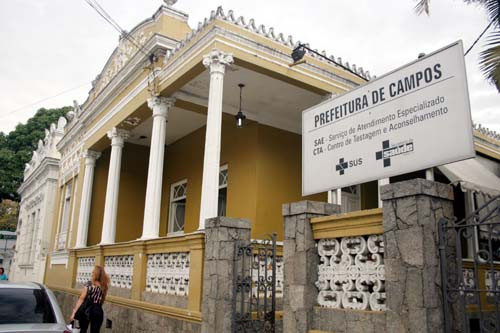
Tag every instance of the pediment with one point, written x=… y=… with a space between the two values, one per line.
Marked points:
x=125 y=50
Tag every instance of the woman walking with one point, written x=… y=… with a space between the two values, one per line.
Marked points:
x=92 y=296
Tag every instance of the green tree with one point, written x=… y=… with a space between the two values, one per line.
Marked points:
x=489 y=58
x=8 y=215
x=16 y=149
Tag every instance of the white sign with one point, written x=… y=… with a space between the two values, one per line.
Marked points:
x=413 y=118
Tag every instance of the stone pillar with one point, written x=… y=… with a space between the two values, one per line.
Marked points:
x=301 y=259
x=412 y=210
x=221 y=234
x=152 y=207
x=118 y=137
x=216 y=62
x=88 y=180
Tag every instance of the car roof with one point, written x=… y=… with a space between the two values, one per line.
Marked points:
x=19 y=285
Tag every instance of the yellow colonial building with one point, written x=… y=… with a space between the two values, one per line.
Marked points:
x=154 y=151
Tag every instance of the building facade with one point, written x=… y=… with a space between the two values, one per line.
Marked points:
x=37 y=209
x=155 y=151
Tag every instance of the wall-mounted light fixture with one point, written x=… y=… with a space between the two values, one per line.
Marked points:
x=299 y=52
x=240 y=117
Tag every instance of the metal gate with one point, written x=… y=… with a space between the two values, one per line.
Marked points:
x=470 y=270
x=254 y=286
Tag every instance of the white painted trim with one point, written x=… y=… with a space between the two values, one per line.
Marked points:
x=223 y=168
x=170 y=224
x=278 y=63
x=260 y=241
x=69 y=238
x=175 y=234
x=124 y=77
x=59 y=258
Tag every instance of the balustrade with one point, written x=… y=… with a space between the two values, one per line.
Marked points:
x=120 y=270
x=84 y=268
x=351 y=273
x=168 y=273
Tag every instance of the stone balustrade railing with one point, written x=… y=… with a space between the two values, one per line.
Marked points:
x=171 y=266
x=120 y=270
x=351 y=272
x=168 y=273
x=84 y=268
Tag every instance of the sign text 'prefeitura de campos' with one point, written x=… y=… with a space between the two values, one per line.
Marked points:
x=412 y=118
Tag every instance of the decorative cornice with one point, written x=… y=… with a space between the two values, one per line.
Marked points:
x=487 y=132
x=36 y=175
x=358 y=223
x=46 y=147
x=265 y=32
x=94 y=107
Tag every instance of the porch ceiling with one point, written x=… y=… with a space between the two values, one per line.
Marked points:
x=267 y=100
x=180 y=123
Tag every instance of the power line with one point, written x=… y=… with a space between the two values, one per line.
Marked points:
x=44 y=99
x=123 y=33
x=479 y=37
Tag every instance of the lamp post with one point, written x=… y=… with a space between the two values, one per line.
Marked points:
x=299 y=52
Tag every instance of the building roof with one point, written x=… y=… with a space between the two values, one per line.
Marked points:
x=266 y=32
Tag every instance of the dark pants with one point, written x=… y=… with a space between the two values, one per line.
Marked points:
x=96 y=318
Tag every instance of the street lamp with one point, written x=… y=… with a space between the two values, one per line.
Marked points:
x=299 y=52
x=240 y=117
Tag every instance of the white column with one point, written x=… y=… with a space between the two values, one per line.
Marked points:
x=216 y=62
x=335 y=196
x=381 y=182
x=88 y=180
x=118 y=137
x=429 y=174
x=152 y=207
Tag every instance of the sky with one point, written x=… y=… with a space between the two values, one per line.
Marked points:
x=57 y=47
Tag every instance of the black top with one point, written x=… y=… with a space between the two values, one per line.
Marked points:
x=94 y=293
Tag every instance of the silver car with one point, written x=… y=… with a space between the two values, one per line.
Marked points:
x=29 y=307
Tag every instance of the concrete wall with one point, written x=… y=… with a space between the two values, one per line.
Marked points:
x=127 y=320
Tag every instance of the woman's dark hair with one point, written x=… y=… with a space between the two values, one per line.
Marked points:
x=2 y=270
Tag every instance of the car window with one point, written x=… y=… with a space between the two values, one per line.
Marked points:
x=20 y=306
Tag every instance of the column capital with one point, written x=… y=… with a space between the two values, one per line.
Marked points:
x=217 y=60
x=118 y=136
x=91 y=156
x=160 y=105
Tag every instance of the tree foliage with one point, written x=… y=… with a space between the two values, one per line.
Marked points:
x=8 y=215
x=16 y=149
x=489 y=58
